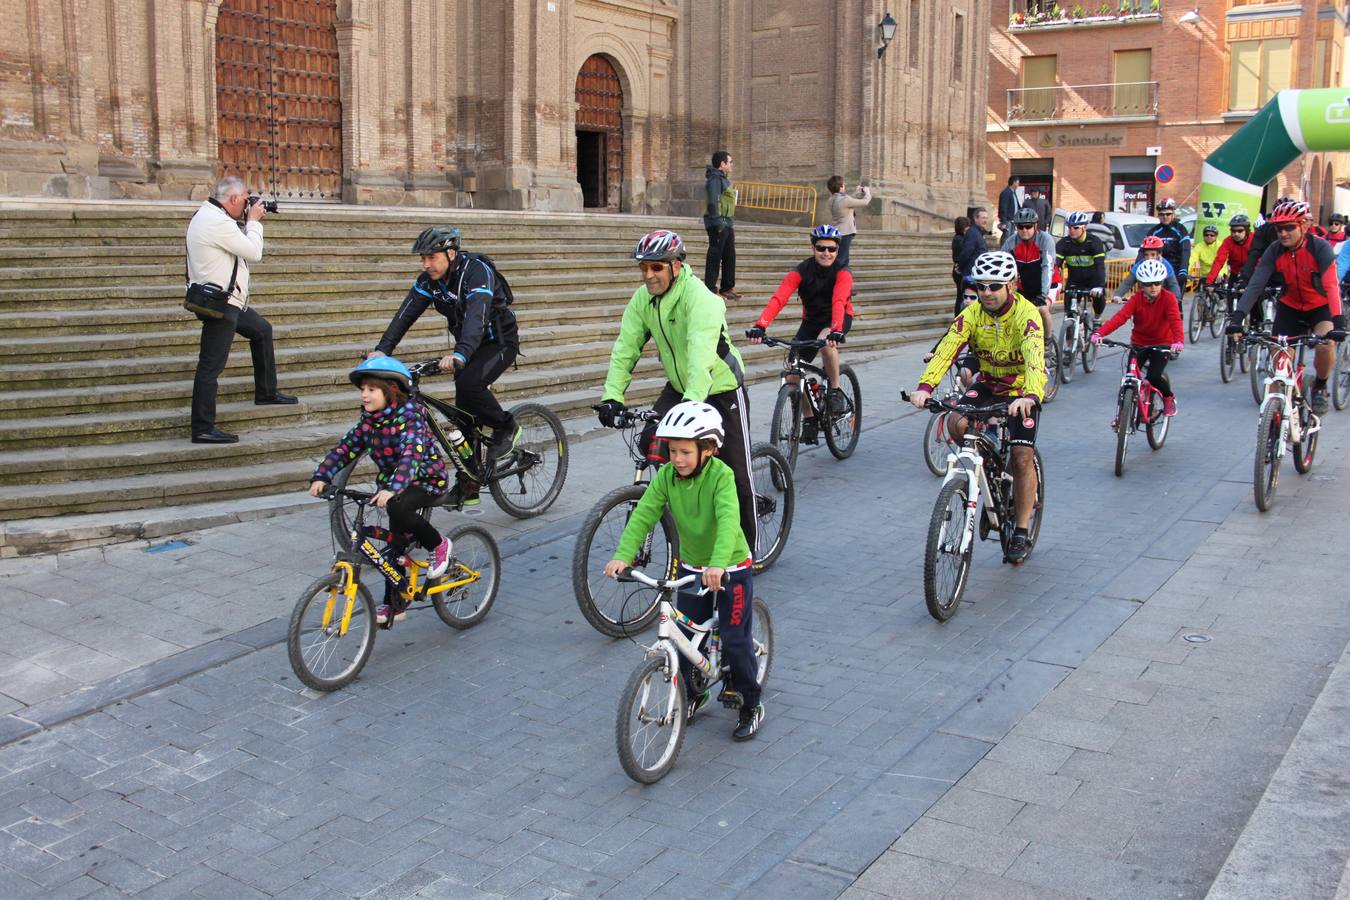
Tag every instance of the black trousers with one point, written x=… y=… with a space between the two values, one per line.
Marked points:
x=404 y=517
x=733 y=627
x=1154 y=362
x=721 y=255
x=472 y=384
x=217 y=336
x=735 y=409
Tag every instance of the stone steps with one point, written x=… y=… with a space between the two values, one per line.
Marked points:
x=97 y=358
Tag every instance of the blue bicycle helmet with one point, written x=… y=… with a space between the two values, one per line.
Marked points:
x=382 y=367
x=824 y=232
x=1078 y=218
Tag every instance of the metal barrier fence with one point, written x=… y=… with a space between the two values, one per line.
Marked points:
x=790 y=198
x=1116 y=270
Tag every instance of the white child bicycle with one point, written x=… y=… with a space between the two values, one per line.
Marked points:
x=654 y=709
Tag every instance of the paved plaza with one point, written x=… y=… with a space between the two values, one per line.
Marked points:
x=1109 y=720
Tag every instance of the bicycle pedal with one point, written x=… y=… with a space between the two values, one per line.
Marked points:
x=731 y=699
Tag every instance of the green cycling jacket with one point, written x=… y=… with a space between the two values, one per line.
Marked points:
x=689 y=323
x=706 y=511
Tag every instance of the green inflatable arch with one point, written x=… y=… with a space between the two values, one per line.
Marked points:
x=1291 y=124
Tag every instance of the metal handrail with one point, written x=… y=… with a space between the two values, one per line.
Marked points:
x=790 y=198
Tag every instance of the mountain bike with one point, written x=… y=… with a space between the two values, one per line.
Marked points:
x=1340 y=377
x=332 y=629
x=1286 y=418
x=980 y=470
x=1138 y=403
x=801 y=383
x=618 y=612
x=1079 y=323
x=1053 y=367
x=1207 y=310
x=1231 y=356
x=654 y=707
x=525 y=481
x=1258 y=353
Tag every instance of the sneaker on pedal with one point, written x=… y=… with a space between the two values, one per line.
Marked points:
x=440 y=559
x=1319 y=401
x=1018 y=548
x=810 y=431
x=383 y=612
x=699 y=701
x=461 y=495
x=1169 y=406
x=503 y=442
x=748 y=725
x=835 y=401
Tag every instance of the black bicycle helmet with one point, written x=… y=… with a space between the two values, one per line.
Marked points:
x=435 y=239
x=1026 y=216
x=1239 y=221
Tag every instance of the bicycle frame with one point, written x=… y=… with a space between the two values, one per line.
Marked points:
x=1143 y=388
x=671 y=642
x=468 y=426
x=969 y=463
x=1282 y=386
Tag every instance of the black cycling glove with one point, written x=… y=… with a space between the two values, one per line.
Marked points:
x=754 y=332
x=1236 y=324
x=836 y=336
x=607 y=411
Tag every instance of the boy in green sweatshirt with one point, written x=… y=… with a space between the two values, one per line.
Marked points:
x=700 y=490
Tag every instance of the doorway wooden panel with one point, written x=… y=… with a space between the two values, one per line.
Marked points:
x=278 y=98
x=599 y=96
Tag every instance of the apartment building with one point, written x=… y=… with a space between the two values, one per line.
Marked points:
x=1087 y=100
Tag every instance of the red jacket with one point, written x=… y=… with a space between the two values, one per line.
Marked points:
x=1309 y=271
x=1156 y=324
x=1231 y=253
x=838 y=303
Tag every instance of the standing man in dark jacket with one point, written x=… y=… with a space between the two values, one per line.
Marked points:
x=1007 y=207
x=1036 y=200
x=476 y=303
x=975 y=242
x=719 y=219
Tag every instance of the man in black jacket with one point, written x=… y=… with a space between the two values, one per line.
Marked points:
x=976 y=241
x=476 y=303
x=720 y=221
x=1007 y=207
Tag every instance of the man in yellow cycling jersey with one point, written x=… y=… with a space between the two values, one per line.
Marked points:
x=1004 y=330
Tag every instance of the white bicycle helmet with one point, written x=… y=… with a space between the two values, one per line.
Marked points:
x=1150 y=271
x=692 y=421
x=994 y=266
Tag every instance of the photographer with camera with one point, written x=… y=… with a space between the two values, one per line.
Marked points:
x=219 y=249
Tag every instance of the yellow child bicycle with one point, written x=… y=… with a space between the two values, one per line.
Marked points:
x=332 y=629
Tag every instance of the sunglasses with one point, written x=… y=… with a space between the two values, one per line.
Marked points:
x=1025 y=227
x=988 y=288
x=826 y=248
x=646 y=267
x=969 y=297
x=1166 y=212
x=1284 y=229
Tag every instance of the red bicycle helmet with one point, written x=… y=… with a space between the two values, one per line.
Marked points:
x=1290 y=211
x=1152 y=242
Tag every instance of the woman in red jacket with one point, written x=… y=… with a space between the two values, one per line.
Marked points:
x=1157 y=322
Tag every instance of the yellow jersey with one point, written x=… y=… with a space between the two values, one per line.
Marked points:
x=1010 y=347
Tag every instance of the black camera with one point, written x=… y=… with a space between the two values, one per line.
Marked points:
x=269 y=205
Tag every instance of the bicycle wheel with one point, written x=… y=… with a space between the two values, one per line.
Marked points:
x=1340 y=377
x=1266 y=472
x=937 y=444
x=475 y=560
x=1241 y=358
x=613 y=608
x=1216 y=322
x=775 y=495
x=1125 y=412
x=1090 y=351
x=358 y=476
x=1008 y=517
x=1258 y=360
x=945 y=566
x=841 y=434
x=1195 y=318
x=761 y=634
x=650 y=727
x=536 y=465
x=1228 y=356
x=1306 y=449
x=1158 y=423
x=785 y=429
x=324 y=655
x=1051 y=368
x=1066 y=343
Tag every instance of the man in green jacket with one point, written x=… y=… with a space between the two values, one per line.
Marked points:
x=689 y=325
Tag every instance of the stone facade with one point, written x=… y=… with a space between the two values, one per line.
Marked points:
x=472 y=102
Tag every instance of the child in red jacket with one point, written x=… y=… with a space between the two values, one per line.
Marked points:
x=1157 y=322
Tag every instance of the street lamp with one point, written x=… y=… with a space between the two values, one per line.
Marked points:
x=1189 y=18
x=887 y=28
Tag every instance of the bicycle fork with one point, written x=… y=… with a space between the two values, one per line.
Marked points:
x=977 y=485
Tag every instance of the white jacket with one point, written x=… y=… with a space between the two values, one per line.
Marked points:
x=213 y=242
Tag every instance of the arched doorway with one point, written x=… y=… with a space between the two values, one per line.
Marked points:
x=599 y=134
x=278 y=99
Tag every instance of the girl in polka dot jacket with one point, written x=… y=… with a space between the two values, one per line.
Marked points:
x=411 y=471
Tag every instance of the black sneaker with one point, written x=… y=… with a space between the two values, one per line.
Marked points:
x=1018 y=548
x=503 y=442
x=1319 y=401
x=461 y=496
x=836 y=402
x=751 y=718
x=810 y=431
x=699 y=701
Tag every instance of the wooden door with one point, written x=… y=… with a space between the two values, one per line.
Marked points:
x=599 y=95
x=278 y=99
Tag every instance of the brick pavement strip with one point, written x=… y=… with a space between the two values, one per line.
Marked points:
x=997 y=752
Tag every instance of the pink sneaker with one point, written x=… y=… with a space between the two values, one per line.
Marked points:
x=382 y=613
x=440 y=559
x=1169 y=406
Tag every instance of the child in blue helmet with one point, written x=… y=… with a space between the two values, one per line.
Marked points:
x=411 y=471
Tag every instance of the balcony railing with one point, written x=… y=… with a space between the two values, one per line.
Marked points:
x=1122 y=101
x=1056 y=14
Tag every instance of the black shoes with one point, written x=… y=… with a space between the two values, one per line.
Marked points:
x=503 y=442
x=1018 y=548
x=215 y=436
x=277 y=399
x=836 y=402
x=751 y=718
x=461 y=496
x=810 y=431
x=1319 y=401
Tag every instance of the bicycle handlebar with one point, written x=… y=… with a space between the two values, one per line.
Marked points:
x=662 y=584
x=426 y=367
x=813 y=344
x=1166 y=348
x=331 y=493
x=629 y=418
x=1265 y=337
x=998 y=410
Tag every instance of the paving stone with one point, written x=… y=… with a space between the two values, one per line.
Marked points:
x=957 y=845
x=1092 y=875
x=1020 y=784
x=975 y=809
x=897 y=874
x=996 y=709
